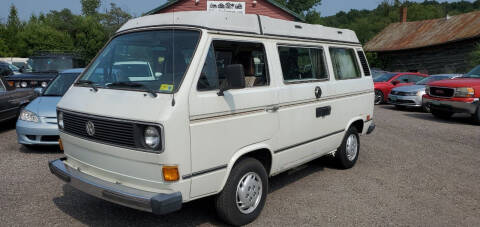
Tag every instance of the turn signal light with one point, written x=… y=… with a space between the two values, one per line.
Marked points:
x=60 y=144
x=11 y=83
x=369 y=118
x=170 y=173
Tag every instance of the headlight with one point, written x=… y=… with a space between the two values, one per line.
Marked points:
x=26 y=115
x=427 y=90
x=23 y=84
x=44 y=84
x=464 y=92
x=151 y=137
x=60 y=120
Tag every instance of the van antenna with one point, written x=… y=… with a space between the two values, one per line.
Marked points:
x=173 y=57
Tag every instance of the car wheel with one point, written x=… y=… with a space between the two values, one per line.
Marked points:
x=243 y=197
x=441 y=114
x=378 y=97
x=347 y=154
x=426 y=108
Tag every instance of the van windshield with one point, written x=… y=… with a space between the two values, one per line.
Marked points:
x=146 y=61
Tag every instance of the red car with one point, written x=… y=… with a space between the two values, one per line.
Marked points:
x=386 y=82
x=459 y=95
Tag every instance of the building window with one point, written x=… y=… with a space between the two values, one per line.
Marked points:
x=302 y=64
x=222 y=53
x=345 y=65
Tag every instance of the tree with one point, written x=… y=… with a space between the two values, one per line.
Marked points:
x=90 y=7
x=39 y=36
x=114 y=18
x=12 y=29
x=302 y=7
x=474 y=57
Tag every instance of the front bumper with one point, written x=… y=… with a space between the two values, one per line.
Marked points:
x=40 y=133
x=413 y=101
x=452 y=106
x=157 y=203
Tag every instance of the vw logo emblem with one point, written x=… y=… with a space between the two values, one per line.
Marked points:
x=90 y=127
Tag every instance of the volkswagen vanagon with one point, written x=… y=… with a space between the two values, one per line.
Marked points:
x=234 y=99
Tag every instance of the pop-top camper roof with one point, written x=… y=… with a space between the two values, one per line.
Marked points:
x=249 y=23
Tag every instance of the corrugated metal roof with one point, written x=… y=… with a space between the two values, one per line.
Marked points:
x=411 y=35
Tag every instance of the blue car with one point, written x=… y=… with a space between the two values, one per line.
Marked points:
x=37 y=123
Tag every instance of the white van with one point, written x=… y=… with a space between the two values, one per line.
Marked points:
x=239 y=98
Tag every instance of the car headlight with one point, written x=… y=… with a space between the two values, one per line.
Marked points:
x=151 y=137
x=26 y=115
x=23 y=84
x=427 y=89
x=60 y=120
x=44 y=84
x=464 y=92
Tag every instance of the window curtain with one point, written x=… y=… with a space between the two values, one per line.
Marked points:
x=317 y=63
x=344 y=65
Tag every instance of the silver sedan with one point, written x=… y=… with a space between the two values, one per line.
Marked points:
x=37 y=123
x=411 y=96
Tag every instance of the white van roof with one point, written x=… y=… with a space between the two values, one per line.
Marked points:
x=248 y=23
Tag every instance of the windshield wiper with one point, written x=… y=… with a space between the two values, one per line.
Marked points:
x=88 y=82
x=131 y=84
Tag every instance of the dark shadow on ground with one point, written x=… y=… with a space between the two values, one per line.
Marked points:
x=464 y=119
x=92 y=211
x=40 y=149
x=7 y=125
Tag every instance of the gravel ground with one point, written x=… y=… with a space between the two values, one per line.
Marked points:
x=413 y=170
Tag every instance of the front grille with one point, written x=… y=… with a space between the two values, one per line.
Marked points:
x=106 y=130
x=442 y=92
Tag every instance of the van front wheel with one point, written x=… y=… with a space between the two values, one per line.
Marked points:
x=347 y=154
x=243 y=197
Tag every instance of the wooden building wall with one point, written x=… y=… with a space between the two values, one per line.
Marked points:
x=262 y=8
x=446 y=58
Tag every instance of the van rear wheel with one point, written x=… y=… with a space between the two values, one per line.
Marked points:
x=347 y=154
x=243 y=197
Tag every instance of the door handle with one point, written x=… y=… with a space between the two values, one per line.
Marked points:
x=272 y=109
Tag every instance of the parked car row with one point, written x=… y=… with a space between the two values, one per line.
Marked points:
x=442 y=94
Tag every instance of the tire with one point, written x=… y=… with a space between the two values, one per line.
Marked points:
x=426 y=108
x=379 y=97
x=226 y=201
x=441 y=114
x=347 y=154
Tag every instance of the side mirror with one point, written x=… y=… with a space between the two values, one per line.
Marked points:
x=38 y=91
x=235 y=77
x=395 y=82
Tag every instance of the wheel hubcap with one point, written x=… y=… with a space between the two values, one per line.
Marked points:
x=249 y=192
x=378 y=97
x=352 y=147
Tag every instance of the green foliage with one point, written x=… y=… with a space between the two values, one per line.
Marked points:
x=61 y=30
x=302 y=7
x=90 y=7
x=474 y=57
x=38 y=36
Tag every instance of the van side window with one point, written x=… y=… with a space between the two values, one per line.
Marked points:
x=301 y=63
x=222 y=53
x=344 y=63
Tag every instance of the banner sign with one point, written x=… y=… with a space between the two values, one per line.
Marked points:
x=226 y=6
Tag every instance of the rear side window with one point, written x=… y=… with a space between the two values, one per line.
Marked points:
x=344 y=63
x=302 y=63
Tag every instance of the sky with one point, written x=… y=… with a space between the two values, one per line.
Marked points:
x=136 y=7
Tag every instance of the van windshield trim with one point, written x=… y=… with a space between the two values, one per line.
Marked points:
x=138 y=30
